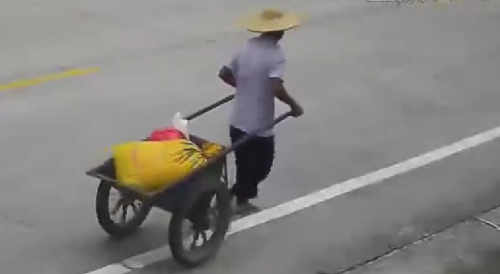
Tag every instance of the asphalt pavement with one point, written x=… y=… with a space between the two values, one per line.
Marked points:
x=380 y=83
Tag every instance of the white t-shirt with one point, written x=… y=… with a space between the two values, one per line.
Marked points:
x=259 y=60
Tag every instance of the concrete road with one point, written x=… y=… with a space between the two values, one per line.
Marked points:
x=467 y=248
x=379 y=84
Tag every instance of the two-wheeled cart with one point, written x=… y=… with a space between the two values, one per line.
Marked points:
x=200 y=202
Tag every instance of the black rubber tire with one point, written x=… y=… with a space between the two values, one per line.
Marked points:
x=104 y=218
x=191 y=259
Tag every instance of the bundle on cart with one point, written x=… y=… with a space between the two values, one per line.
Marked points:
x=162 y=160
x=148 y=166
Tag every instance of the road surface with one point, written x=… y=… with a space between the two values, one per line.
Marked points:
x=379 y=83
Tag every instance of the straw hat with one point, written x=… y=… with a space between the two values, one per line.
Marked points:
x=271 y=20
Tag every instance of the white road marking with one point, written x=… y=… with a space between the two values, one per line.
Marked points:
x=314 y=198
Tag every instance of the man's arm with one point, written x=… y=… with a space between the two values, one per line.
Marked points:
x=227 y=76
x=278 y=87
x=227 y=72
x=281 y=93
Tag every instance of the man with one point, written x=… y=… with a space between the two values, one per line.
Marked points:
x=256 y=72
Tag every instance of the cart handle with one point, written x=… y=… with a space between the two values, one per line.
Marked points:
x=253 y=134
x=209 y=108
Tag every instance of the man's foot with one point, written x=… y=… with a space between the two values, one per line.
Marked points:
x=243 y=208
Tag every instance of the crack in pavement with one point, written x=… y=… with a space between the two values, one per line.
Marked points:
x=420 y=239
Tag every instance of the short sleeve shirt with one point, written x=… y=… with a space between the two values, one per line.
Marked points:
x=259 y=60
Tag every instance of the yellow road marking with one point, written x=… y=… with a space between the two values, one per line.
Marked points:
x=47 y=78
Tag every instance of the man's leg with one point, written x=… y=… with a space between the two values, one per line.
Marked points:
x=253 y=164
x=263 y=150
x=243 y=161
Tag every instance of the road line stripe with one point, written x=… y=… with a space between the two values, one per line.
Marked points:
x=488 y=223
x=47 y=78
x=318 y=197
x=111 y=269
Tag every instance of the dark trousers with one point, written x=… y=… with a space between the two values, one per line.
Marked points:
x=254 y=160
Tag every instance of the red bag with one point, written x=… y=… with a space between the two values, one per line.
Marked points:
x=164 y=134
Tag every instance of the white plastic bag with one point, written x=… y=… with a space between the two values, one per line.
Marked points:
x=180 y=124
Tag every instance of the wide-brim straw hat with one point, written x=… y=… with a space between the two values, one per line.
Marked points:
x=270 y=20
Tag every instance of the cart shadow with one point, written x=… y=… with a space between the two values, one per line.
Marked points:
x=146 y=238
x=169 y=265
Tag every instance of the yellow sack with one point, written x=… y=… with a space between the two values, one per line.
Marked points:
x=148 y=166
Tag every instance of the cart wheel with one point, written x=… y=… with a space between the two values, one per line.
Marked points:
x=208 y=223
x=124 y=226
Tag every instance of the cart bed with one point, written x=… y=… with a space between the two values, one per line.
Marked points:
x=170 y=197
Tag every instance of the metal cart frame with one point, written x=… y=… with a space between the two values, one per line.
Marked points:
x=190 y=199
